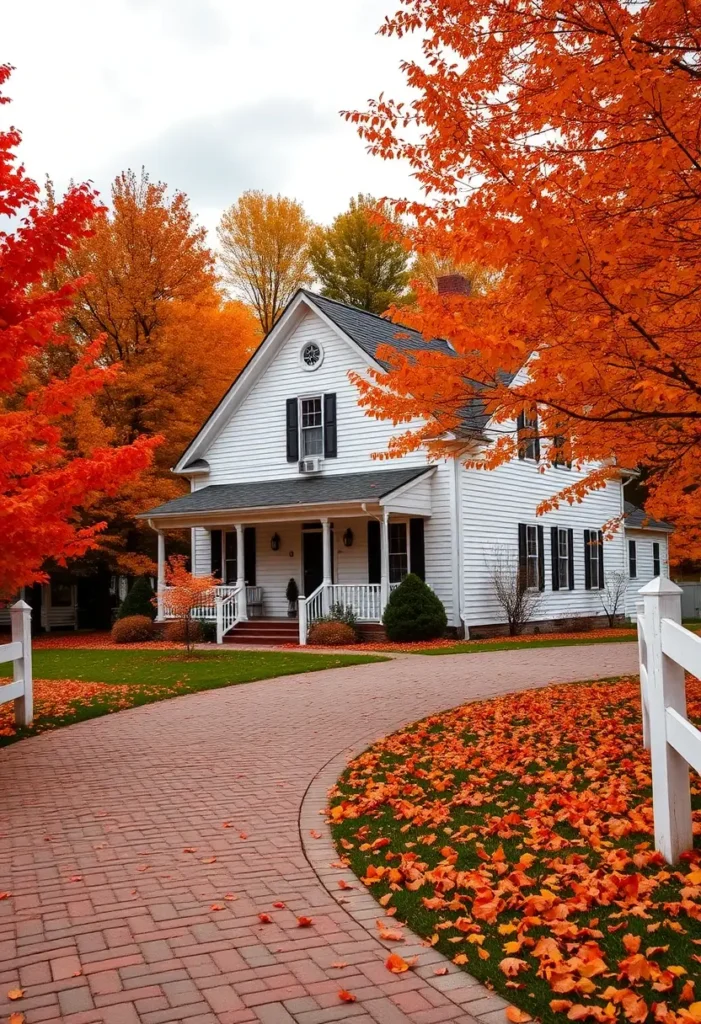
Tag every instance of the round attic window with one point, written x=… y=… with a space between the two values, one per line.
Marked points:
x=311 y=355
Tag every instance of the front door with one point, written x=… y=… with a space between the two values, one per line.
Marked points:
x=313 y=557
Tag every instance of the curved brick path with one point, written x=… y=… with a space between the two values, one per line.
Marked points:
x=110 y=919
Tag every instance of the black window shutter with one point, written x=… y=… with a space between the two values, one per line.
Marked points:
x=522 y=561
x=541 y=559
x=249 y=555
x=330 y=446
x=416 y=547
x=520 y=426
x=292 y=430
x=216 y=553
x=587 y=564
x=536 y=445
x=600 y=539
x=554 y=557
x=570 y=558
x=374 y=554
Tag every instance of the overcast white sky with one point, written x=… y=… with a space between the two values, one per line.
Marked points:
x=213 y=96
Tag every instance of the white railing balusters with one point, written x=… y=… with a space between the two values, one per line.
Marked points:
x=666 y=651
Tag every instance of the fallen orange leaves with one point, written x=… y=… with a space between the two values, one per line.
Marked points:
x=396 y=964
x=521 y=846
x=346 y=997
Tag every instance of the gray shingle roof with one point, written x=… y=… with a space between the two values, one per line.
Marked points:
x=302 y=490
x=638 y=519
x=370 y=331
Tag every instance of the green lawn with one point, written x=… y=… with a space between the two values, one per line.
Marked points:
x=519 y=645
x=64 y=678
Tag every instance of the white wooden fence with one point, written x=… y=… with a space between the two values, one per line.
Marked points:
x=666 y=651
x=19 y=652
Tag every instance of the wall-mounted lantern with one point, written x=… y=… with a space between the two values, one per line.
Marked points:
x=275 y=542
x=348 y=538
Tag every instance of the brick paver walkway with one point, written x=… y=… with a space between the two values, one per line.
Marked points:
x=119 y=836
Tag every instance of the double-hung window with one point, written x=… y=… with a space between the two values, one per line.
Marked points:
x=527 y=436
x=563 y=559
x=656 y=562
x=632 y=559
x=311 y=426
x=594 y=559
x=398 y=552
x=532 y=558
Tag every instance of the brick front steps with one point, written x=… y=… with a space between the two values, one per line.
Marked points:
x=264 y=633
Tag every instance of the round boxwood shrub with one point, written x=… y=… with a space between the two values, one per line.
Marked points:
x=332 y=633
x=135 y=629
x=175 y=632
x=414 y=612
x=139 y=600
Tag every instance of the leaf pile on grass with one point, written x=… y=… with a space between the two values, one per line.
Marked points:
x=516 y=835
x=57 y=701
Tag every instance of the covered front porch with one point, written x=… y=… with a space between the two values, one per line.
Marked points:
x=348 y=545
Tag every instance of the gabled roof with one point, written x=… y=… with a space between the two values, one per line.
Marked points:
x=638 y=519
x=328 y=489
x=370 y=331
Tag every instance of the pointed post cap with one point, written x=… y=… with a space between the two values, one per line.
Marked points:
x=22 y=606
x=660 y=587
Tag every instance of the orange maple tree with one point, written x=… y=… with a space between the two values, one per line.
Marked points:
x=558 y=144
x=186 y=593
x=148 y=283
x=42 y=483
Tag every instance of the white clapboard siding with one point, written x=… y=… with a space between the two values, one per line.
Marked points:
x=494 y=503
x=644 y=539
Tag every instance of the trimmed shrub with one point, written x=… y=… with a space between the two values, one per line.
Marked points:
x=135 y=629
x=139 y=600
x=332 y=633
x=414 y=613
x=174 y=631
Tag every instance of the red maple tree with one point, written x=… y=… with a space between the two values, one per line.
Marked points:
x=42 y=484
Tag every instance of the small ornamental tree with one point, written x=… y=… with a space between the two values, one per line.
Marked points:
x=186 y=593
x=613 y=594
x=414 y=612
x=44 y=486
x=519 y=602
x=139 y=600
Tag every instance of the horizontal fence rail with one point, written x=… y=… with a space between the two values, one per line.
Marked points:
x=19 y=652
x=666 y=652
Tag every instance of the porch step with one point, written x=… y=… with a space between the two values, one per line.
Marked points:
x=264 y=632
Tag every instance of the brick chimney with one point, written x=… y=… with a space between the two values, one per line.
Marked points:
x=454 y=284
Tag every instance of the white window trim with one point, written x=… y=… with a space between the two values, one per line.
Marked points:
x=300 y=429
x=537 y=558
x=305 y=366
x=633 y=576
x=396 y=522
x=563 y=532
x=593 y=557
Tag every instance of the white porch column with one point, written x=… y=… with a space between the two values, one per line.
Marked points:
x=327 y=579
x=242 y=609
x=384 y=562
x=161 y=580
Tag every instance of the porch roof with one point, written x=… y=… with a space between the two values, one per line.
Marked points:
x=326 y=489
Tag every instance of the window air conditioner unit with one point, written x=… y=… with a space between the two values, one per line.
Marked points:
x=312 y=464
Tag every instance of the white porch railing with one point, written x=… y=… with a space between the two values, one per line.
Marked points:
x=309 y=609
x=363 y=598
x=666 y=651
x=19 y=652
x=227 y=606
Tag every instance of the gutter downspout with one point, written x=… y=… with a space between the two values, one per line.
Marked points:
x=460 y=545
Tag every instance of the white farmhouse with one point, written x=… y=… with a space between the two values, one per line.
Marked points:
x=284 y=486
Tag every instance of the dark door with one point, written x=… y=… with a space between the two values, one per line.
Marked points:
x=313 y=557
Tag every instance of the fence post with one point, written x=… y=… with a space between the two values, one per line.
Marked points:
x=218 y=604
x=671 y=797
x=21 y=616
x=302 y=616
x=642 y=659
